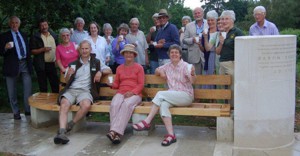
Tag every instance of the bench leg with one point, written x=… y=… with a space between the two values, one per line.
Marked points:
x=225 y=129
x=137 y=118
x=43 y=118
x=79 y=125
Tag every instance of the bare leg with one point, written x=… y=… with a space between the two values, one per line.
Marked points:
x=63 y=112
x=168 y=123
x=151 y=115
x=85 y=106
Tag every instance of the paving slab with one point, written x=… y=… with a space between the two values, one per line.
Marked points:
x=20 y=138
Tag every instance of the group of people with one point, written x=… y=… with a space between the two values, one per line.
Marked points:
x=202 y=46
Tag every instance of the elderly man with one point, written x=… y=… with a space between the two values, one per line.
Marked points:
x=166 y=36
x=138 y=39
x=16 y=63
x=226 y=45
x=262 y=26
x=193 y=30
x=79 y=33
x=43 y=46
x=184 y=21
x=81 y=89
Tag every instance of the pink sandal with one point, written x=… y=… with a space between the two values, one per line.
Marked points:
x=139 y=128
x=169 y=139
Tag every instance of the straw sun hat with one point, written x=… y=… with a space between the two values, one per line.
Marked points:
x=129 y=48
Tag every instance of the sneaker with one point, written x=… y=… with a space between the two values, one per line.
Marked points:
x=61 y=138
x=17 y=116
x=70 y=126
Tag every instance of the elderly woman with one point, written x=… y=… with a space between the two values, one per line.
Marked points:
x=118 y=44
x=226 y=45
x=98 y=43
x=184 y=21
x=129 y=81
x=107 y=30
x=209 y=43
x=66 y=52
x=180 y=76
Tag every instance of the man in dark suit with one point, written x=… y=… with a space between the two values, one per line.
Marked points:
x=16 y=63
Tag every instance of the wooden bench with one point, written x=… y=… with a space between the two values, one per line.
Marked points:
x=44 y=107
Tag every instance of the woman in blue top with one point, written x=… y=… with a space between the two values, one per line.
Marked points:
x=118 y=44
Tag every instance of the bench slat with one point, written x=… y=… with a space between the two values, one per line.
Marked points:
x=47 y=101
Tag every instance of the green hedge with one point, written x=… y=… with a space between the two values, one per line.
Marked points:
x=293 y=32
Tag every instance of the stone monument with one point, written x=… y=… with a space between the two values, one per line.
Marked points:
x=264 y=107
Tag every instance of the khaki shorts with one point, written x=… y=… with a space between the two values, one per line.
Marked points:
x=75 y=96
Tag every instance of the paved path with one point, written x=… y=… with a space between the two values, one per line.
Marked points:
x=19 y=138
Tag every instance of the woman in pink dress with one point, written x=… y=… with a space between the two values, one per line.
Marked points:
x=66 y=52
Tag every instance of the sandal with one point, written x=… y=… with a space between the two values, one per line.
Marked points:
x=111 y=135
x=169 y=139
x=139 y=128
x=117 y=139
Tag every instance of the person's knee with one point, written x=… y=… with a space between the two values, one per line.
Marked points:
x=64 y=105
x=86 y=104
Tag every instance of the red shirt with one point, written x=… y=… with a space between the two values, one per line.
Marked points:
x=129 y=78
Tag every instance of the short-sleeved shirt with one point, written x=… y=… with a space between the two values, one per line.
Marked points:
x=227 y=52
x=78 y=36
x=66 y=54
x=178 y=77
x=49 y=42
x=268 y=28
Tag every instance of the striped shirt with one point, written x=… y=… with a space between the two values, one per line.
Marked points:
x=269 y=28
x=178 y=77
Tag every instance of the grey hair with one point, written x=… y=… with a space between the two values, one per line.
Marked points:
x=175 y=46
x=107 y=26
x=229 y=13
x=186 y=18
x=64 y=30
x=259 y=9
x=79 y=19
x=212 y=14
x=85 y=41
x=155 y=15
x=134 y=19
x=14 y=17
x=123 y=26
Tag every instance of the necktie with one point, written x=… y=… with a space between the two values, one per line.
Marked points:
x=20 y=45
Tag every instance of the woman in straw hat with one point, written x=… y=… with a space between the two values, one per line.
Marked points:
x=129 y=82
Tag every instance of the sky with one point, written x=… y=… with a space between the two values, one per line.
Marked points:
x=192 y=3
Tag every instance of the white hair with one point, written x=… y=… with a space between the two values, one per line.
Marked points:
x=107 y=26
x=155 y=15
x=259 y=9
x=64 y=30
x=212 y=14
x=229 y=13
x=186 y=18
x=79 y=19
x=134 y=19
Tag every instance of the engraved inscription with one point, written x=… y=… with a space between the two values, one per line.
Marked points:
x=277 y=59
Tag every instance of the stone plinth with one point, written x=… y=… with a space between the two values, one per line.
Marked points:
x=264 y=89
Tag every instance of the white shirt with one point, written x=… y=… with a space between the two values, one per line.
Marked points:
x=99 y=48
